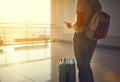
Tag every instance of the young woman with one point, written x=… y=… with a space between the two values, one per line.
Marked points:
x=83 y=47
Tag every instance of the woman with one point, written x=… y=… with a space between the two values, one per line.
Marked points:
x=83 y=47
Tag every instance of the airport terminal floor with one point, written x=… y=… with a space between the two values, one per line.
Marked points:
x=39 y=62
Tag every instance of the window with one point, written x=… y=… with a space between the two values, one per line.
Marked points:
x=24 y=19
x=31 y=11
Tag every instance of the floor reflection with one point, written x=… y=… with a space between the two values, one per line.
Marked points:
x=24 y=52
x=41 y=64
x=28 y=47
x=1 y=51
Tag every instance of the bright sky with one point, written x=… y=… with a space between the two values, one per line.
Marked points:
x=32 y=11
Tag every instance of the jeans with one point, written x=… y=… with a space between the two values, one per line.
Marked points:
x=83 y=50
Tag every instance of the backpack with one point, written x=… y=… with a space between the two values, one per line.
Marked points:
x=98 y=26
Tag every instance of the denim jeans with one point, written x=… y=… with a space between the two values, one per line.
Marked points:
x=83 y=50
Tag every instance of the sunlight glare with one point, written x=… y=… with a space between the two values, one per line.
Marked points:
x=33 y=11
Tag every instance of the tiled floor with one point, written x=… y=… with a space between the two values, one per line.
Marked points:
x=39 y=63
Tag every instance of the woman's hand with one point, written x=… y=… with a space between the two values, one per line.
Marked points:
x=69 y=25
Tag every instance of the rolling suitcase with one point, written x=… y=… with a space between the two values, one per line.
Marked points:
x=67 y=72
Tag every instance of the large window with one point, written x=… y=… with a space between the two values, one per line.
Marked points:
x=20 y=19
x=24 y=23
x=32 y=11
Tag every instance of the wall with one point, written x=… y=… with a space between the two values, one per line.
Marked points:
x=112 y=7
x=64 y=11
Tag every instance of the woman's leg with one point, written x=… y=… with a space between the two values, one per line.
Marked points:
x=83 y=49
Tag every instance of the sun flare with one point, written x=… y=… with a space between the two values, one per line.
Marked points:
x=33 y=11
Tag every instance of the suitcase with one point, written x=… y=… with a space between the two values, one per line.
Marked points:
x=67 y=72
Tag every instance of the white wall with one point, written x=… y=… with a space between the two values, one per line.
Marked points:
x=64 y=11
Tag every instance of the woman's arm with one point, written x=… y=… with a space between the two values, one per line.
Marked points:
x=79 y=21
